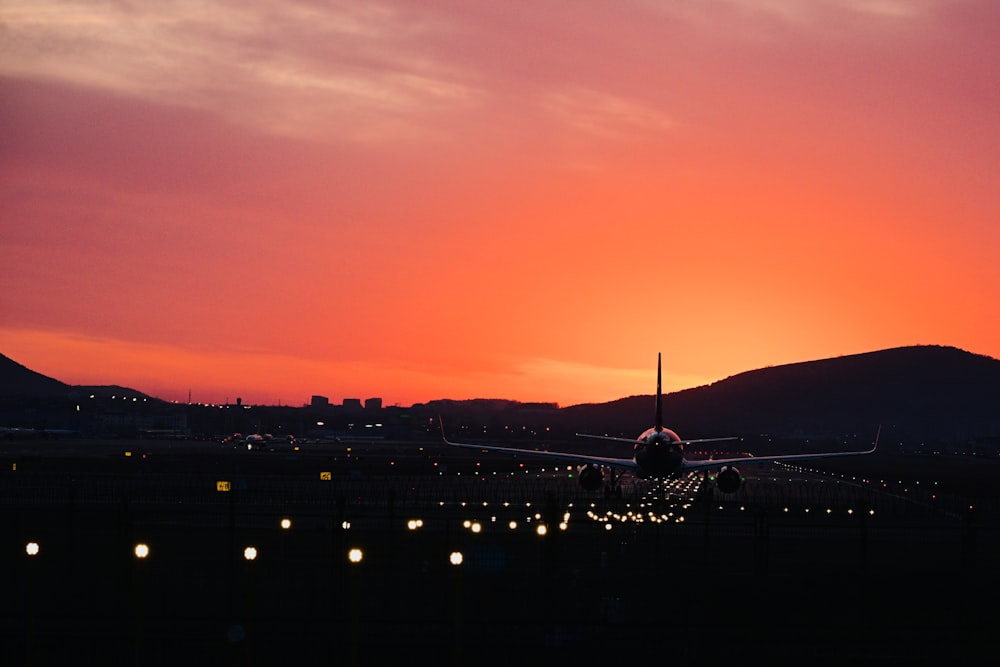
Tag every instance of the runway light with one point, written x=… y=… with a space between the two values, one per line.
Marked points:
x=355 y=555
x=31 y=548
x=141 y=550
x=250 y=553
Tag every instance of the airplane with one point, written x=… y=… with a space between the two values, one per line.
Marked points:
x=657 y=453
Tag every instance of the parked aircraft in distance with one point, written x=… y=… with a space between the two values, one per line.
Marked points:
x=657 y=453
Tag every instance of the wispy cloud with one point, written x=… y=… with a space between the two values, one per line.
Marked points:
x=798 y=12
x=345 y=69
x=596 y=112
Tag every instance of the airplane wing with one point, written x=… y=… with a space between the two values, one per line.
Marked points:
x=632 y=441
x=569 y=457
x=713 y=463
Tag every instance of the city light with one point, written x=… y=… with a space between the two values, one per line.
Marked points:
x=250 y=553
x=355 y=555
x=141 y=550
x=31 y=548
x=455 y=558
x=286 y=523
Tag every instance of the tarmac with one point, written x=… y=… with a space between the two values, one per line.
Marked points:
x=409 y=551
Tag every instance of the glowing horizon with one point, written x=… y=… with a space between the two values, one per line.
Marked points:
x=413 y=203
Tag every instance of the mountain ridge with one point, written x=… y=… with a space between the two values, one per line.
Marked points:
x=19 y=381
x=922 y=392
x=934 y=389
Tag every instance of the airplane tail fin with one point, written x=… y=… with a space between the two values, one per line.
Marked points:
x=659 y=395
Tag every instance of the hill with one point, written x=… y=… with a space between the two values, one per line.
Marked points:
x=918 y=394
x=927 y=391
x=20 y=382
x=17 y=380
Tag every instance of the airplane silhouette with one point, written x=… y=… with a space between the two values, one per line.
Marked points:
x=657 y=453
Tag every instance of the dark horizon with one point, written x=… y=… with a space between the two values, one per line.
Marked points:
x=920 y=393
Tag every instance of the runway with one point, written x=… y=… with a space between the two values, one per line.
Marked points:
x=828 y=567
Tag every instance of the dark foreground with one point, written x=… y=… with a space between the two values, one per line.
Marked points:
x=801 y=567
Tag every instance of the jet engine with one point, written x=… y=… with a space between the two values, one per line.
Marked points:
x=591 y=476
x=728 y=479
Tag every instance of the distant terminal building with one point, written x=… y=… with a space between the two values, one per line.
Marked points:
x=319 y=402
x=373 y=404
x=352 y=403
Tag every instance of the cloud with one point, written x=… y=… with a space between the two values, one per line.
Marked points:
x=348 y=70
x=813 y=12
x=595 y=112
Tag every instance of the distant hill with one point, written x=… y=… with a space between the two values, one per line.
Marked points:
x=17 y=381
x=926 y=391
x=921 y=393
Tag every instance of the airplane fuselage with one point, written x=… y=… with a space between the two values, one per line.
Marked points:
x=658 y=453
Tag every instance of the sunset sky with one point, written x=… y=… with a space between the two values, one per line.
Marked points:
x=522 y=200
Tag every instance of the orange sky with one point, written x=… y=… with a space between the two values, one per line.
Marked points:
x=513 y=200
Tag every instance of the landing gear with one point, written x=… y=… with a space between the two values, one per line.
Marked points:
x=612 y=488
x=704 y=489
